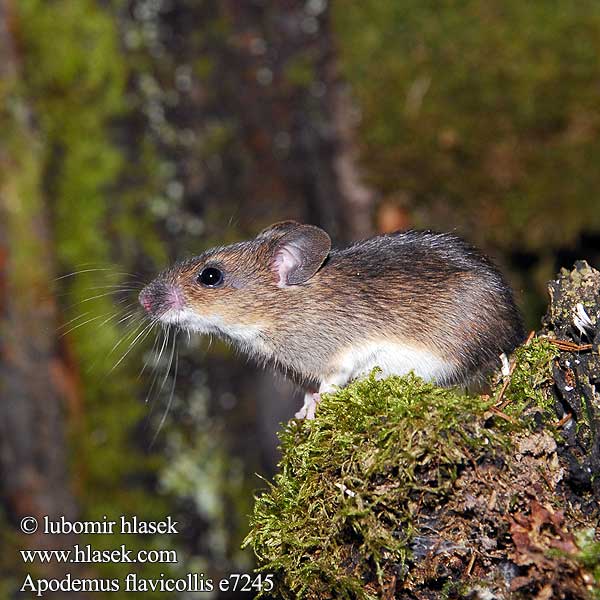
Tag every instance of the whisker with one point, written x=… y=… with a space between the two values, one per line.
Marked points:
x=144 y=332
x=165 y=333
x=162 y=385
x=170 y=362
x=111 y=293
x=125 y=287
x=133 y=313
x=152 y=351
x=84 y=323
x=124 y=318
x=127 y=336
x=75 y=318
x=171 y=395
x=131 y=329
x=94 y=270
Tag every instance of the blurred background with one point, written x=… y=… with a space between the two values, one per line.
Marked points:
x=134 y=133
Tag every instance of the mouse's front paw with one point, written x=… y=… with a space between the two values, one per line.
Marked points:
x=311 y=399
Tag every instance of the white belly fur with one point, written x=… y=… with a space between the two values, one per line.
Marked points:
x=391 y=358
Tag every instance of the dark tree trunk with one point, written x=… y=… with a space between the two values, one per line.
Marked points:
x=297 y=117
x=265 y=131
x=574 y=315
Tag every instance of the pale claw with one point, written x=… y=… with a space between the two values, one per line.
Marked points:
x=309 y=407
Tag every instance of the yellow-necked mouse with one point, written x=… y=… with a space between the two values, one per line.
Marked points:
x=414 y=300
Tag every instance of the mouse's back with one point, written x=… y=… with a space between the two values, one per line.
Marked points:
x=429 y=291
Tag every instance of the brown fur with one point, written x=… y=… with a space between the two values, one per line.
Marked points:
x=431 y=291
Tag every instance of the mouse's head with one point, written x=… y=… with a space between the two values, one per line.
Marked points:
x=234 y=290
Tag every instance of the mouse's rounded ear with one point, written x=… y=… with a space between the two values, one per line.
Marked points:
x=278 y=229
x=299 y=254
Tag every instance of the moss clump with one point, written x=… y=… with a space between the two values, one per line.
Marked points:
x=344 y=514
x=531 y=378
x=350 y=481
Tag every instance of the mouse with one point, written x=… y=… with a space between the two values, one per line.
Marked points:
x=419 y=301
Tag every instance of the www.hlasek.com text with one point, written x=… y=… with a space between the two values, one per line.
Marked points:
x=88 y=555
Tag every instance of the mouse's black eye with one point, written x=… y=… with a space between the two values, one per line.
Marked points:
x=210 y=277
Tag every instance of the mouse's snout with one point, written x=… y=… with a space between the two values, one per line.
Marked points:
x=145 y=299
x=159 y=297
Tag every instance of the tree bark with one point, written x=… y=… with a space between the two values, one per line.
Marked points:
x=297 y=117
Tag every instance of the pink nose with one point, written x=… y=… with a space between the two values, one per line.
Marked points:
x=158 y=297
x=145 y=299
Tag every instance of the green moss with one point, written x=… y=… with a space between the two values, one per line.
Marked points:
x=589 y=558
x=351 y=483
x=74 y=83
x=349 y=480
x=530 y=378
x=476 y=113
x=454 y=589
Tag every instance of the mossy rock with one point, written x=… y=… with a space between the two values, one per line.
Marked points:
x=401 y=489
